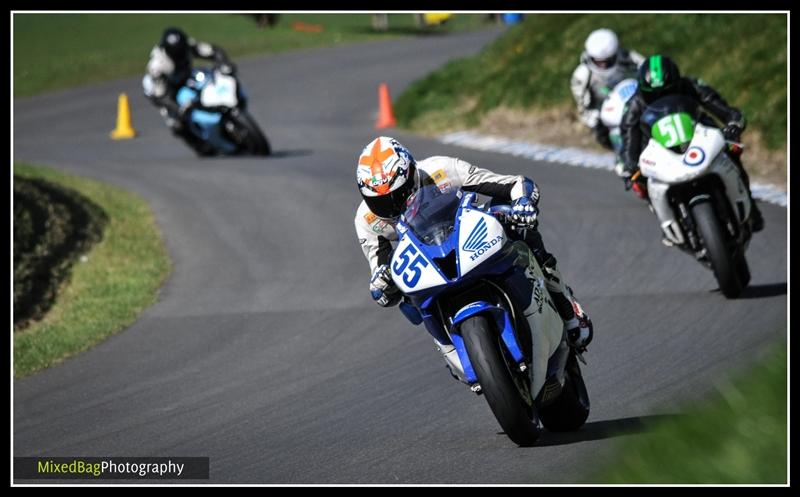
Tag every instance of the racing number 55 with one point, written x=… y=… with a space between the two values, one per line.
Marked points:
x=413 y=269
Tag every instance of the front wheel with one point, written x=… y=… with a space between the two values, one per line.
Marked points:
x=714 y=240
x=515 y=415
x=247 y=135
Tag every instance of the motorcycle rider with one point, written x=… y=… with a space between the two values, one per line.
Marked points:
x=169 y=68
x=603 y=64
x=387 y=175
x=659 y=76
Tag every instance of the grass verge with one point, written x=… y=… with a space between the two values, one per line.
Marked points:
x=107 y=290
x=739 y=436
x=530 y=67
x=54 y=51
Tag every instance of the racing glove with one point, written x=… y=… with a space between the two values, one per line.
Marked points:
x=621 y=170
x=382 y=288
x=736 y=125
x=733 y=132
x=525 y=212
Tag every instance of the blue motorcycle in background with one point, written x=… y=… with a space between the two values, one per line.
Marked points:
x=218 y=114
x=476 y=287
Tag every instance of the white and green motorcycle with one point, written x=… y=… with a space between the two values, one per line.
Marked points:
x=696 y=190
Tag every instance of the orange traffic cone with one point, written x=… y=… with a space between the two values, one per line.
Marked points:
x=124 y=129
x=386 y=117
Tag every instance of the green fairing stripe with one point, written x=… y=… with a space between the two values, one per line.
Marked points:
x=656 y=76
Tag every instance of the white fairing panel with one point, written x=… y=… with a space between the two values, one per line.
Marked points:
x=480 y=236
x=614 y=104
x=547 y=325
x=657 y=192
x=669 y=167
x=411 y=270
x=734 y=185
x=220 y=91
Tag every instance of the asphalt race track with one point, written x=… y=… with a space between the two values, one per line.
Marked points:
x=265 y=351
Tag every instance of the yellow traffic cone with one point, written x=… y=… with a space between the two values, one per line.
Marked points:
x=124 y=129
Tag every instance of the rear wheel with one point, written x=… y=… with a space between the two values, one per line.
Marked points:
x=247 y=135
x=570 y=410
x=715 y=242
x=515 y=415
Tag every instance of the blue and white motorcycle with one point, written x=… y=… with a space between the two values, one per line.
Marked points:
x=476 y=287
x=219 y=116
x=613 y=109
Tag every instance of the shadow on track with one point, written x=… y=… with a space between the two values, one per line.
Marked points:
x=763 y=291
x=279 y=154
x=276 y=154
x=599 y=430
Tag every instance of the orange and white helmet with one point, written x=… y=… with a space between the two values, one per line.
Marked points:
x=387 y=176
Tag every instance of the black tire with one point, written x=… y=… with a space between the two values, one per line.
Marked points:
x=715 y=242
x=501 y=392
x=251 y=140
x=201 y=147
x=570 y=410
x=743 y=269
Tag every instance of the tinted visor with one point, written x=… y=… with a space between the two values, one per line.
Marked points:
x=392 y=204
x=605 y=63
x=650 y=94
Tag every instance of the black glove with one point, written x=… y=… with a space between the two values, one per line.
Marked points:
x=733 y=132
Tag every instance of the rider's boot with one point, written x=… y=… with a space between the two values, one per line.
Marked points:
x=577 y=324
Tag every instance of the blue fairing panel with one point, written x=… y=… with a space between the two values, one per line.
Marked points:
x=186 y=96
x=502 y=321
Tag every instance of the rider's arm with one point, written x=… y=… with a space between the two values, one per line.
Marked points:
x=631 y=134
x=155 y=84
x=504 y=187
x=636 y=57
x=208 y=51
x=579 y=85
x=374 y=237
x=714 y=103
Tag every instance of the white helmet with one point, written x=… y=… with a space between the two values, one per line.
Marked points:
x=387 y=176
x=601 y=47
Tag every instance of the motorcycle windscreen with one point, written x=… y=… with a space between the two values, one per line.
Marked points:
x=670 y=121
x=431 y=214
x=219 y=92
x=431 y=217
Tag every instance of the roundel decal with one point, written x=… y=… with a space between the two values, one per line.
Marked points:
x=694 y=156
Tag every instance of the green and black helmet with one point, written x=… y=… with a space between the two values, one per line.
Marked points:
x=658 y=76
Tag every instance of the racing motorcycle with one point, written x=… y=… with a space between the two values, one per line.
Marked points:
x=219 y=116
x=475 y=287
x=696 y=190
x=613 y=108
